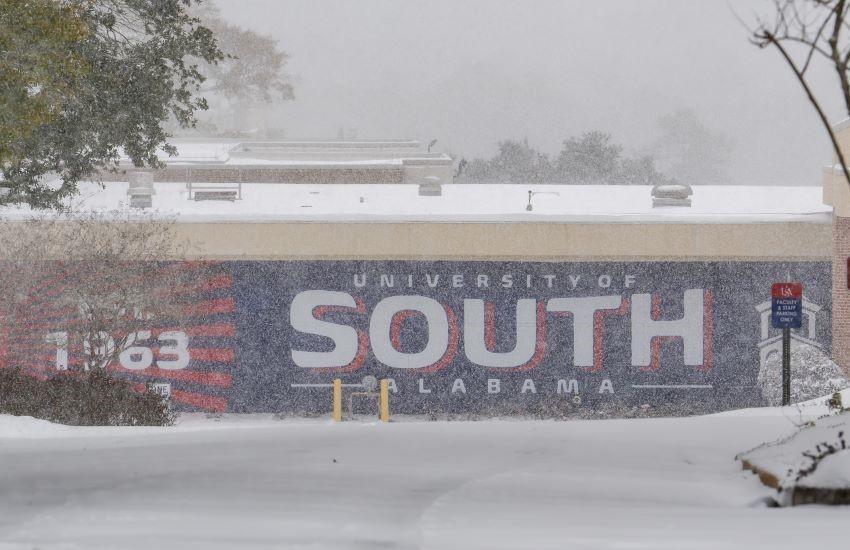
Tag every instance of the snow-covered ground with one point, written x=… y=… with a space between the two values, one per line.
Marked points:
x=257 y=482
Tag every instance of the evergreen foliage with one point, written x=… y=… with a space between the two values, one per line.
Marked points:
x=37 y=66
x=589 y=159
x=130 y=66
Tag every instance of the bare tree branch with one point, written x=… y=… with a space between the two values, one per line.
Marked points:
x=110 y=278
x=791 y=27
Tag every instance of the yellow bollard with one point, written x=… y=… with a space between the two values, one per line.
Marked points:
x=385 y=400
x=337 y=399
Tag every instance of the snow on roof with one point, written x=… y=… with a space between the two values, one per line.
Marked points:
x=297 y=153
x=197 y=152
x=290 y=163
x=273 y=202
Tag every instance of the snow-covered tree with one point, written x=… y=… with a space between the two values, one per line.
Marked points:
x=102 y=274
x=592 y=158
x=249 y=80
x=515 y=162
x=813 y=374
x=253 y=67
x=132 y=72
x=689 y=151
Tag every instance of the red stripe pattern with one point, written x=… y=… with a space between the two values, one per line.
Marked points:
x=203 y=382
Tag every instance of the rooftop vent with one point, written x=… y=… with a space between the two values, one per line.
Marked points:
x=140 y=189
x=215 y=191
x=671 y=195
x=431 y=187
x=530 y=207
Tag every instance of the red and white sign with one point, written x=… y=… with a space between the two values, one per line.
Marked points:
x=786 y=291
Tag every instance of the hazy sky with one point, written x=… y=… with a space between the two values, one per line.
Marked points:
x=472 y=72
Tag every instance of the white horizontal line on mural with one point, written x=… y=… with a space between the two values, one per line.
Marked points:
x=672 y=386
x=324 y=385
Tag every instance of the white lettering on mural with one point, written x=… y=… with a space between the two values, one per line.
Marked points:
x=482 y=280
x=563 y=387
x=529 y=387
x=381 y=324
x=689 y=328
x=60 y=340
x=173 y=350
x=178 y=349
x=606 y=386
x=583 y=311
x=344 y=337
x=135 y=357
x=474 y=335
x=480 y=336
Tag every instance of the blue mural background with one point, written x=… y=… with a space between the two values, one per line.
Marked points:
x=263 y=371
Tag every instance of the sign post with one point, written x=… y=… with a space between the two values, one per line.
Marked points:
x=786 y=313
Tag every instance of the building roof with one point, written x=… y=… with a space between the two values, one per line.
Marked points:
x=315 y=154
x=265 y=202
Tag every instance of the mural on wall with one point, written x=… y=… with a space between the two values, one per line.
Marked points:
x=192 y=360
x=458 y=336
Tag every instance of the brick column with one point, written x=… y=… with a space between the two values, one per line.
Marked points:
x=836 y=193
x=840 y=292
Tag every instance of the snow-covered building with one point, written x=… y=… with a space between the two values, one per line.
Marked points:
x=380 y=161
x=486 y=298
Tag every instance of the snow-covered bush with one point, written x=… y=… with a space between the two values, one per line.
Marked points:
x=90 y=398
x=813 y=374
